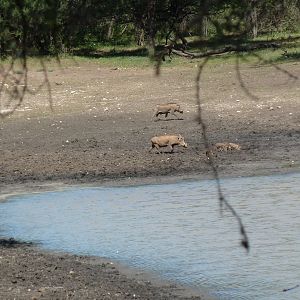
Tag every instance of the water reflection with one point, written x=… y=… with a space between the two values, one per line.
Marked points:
x=176 y=231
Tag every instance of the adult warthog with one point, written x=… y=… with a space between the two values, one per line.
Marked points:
x=166 y=109
x=167 y=141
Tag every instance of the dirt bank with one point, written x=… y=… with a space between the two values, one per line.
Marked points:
x=28 y=273
x=101 y=125
x=100 y=130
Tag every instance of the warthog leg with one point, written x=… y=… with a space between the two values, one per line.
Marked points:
x=172 y=112
x=171 y=147
x=156 y=115
x=156 y=147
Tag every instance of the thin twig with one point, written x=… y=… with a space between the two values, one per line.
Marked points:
x=241 y=81
x=47 y=83
x=278 y=68
x=222 y=200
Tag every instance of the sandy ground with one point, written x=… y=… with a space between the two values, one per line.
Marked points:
x=100 y=130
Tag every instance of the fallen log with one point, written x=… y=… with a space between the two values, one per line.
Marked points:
x=227 y=49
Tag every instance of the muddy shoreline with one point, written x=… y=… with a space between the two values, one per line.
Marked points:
x=29 y=272
x=99 y=134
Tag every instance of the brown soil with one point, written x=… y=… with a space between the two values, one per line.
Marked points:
x=100 y=130
x=28 y=273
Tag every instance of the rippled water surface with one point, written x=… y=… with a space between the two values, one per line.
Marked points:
x=176 y=231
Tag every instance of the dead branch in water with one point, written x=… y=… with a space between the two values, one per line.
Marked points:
x=292 y=288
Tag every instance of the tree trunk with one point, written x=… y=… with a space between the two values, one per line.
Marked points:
x=204 y=27
x=150 y=24
x=140 y=37
x=251 y=18
x=254 y=25
x=110 y=30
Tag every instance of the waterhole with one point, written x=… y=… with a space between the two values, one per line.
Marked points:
x=176 y=231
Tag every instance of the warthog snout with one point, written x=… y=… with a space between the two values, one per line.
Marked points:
x=182 y=142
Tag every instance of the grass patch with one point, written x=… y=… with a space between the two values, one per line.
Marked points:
x=122 y=56
x=119 y=56
x=118 y=61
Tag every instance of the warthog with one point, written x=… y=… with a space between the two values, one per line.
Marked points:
x=227 y=146
x=220 y=147
x=167 y=108
x=167 y=141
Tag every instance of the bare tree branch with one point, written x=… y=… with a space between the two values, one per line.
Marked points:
x=275 y=66
x=15 y=87
x=241 y=81
x=222 y=200
x=47 y=82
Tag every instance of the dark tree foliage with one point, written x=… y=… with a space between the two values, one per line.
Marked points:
x=53 y=26
x=34 y=22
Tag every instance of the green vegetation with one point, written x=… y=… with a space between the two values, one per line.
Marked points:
x=289 y=52
x=131 y=56
x=116 y=28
